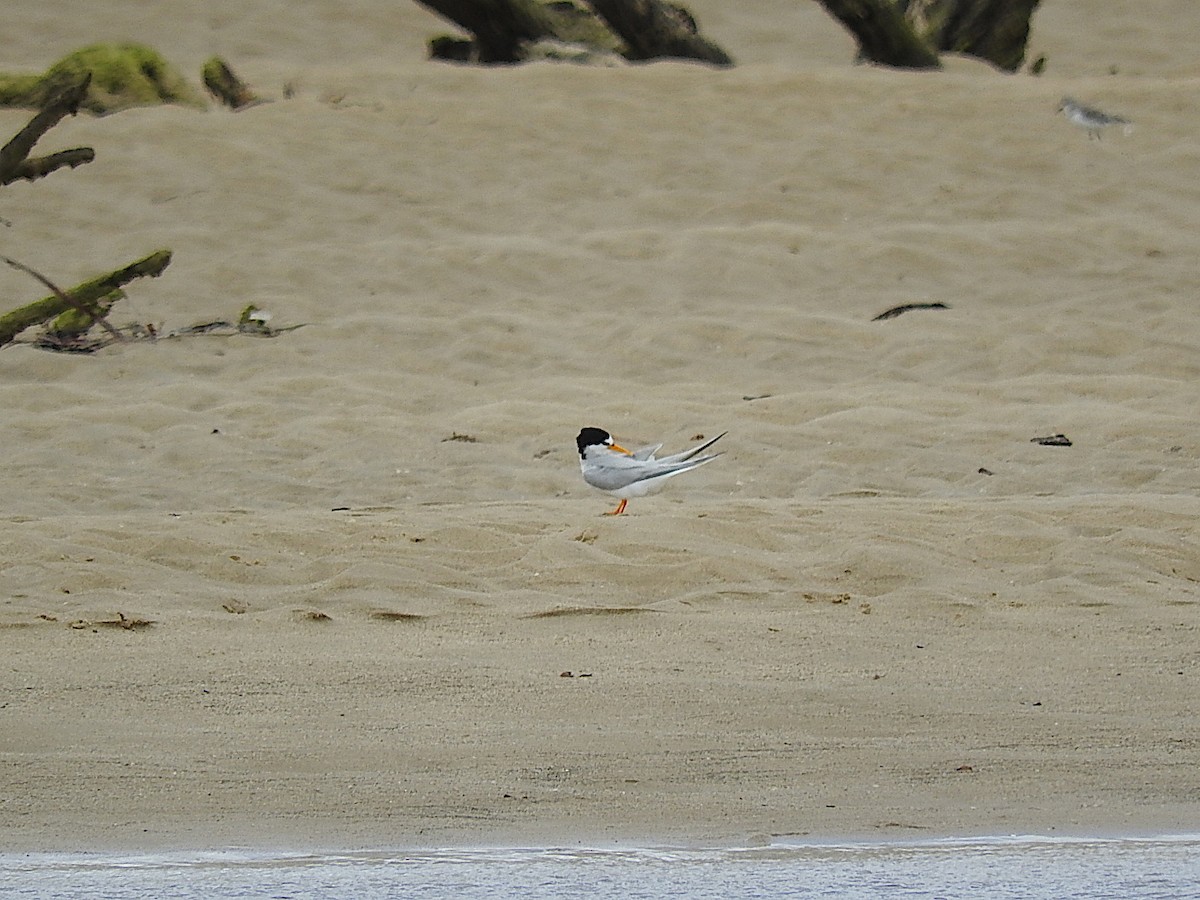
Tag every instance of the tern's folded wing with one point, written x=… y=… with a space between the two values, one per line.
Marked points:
x=664 y=469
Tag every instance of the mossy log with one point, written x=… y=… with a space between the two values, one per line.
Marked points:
x=122 y=76
x=911 y=33
x=653 y=29
x=86 y=300
x=14 y=156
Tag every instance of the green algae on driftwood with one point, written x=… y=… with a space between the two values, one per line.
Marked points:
x=122 y=76
x=84 y=304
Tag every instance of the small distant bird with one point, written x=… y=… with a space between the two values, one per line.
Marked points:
x=1090 y=118
x=632 y=473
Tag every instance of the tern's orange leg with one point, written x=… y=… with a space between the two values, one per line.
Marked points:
x=620 y=509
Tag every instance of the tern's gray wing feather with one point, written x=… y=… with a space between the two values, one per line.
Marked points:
x=664 y=469
x=695 y=451
x=646 y=453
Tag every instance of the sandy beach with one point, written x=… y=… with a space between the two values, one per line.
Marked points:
x=345 y=587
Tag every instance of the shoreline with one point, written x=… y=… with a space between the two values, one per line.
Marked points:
x=270 y=852
x=1031 y=867
x=346 y=586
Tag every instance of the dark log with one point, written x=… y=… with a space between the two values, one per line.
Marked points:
x=653 y=29
x=884 y=35
x=993 y=30
x=452 y=49
x=508 y=31
x=911 y=33
x=501 y=28
x=14 y=161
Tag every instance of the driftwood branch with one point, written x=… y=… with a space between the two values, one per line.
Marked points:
x=14 y=161
x=84 y=317
x=41 y=166
x=653 y=29
x=84 y=299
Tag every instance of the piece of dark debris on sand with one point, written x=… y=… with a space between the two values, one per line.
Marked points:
x=73 y=343
x=1053 y=440
x=907 y=307
x=83 y=343
x=128 y=623
x=252 y=321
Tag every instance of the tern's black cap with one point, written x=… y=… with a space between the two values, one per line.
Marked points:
x=590 y=437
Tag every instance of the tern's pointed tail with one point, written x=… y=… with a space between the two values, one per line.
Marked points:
x=695 y=451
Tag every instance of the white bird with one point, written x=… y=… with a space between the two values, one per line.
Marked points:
x=632 y=473
x=1090 y=118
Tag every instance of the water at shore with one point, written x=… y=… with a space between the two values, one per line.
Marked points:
x=1027 y=867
